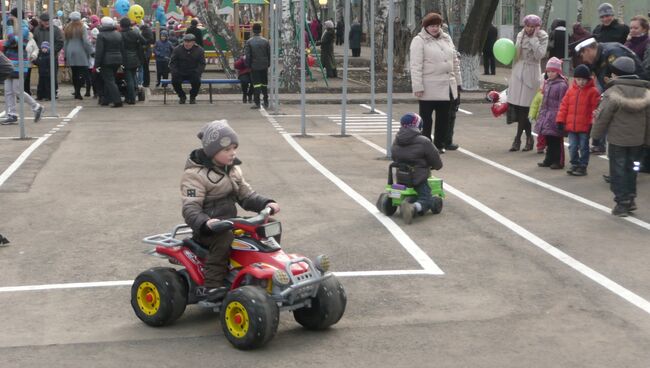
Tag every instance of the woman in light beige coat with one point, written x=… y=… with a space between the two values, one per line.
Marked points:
x=435 y=77
x=525 y=80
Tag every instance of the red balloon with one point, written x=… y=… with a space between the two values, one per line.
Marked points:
x=311 y=60
x=499 y=109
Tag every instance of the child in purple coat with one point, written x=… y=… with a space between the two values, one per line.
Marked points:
x=553 y=91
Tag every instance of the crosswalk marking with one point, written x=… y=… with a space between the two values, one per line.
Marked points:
x=355 y=124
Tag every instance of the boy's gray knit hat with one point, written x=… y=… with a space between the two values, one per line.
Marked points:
x=605 y=9
x=623 y=66
x=216 y=136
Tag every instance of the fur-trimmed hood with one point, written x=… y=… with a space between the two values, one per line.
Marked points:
x=630 y=94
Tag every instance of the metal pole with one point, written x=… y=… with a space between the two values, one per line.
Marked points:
x=18 y=32
x=389 y=77
x=50 y=11
x=302 y=67
x=4 y=19
x=278 y=23
x=372 y=57
x=273 y=42
x=346 y=45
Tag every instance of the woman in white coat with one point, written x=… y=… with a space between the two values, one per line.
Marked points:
x=525 y=80
x=435 y=77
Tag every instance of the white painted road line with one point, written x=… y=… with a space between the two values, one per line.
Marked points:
x=592 y=274
x=552 y=188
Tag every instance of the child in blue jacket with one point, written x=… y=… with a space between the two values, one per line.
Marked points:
x=163 y=52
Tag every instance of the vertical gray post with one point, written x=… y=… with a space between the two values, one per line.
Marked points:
x=346 y=45
x=53 y=57
x=278 y=24
x=302 y=67
x=567 y=60
x=372 y=57
x=389 y=77
x=18 y=32
x=273 y=42
x=3 y=8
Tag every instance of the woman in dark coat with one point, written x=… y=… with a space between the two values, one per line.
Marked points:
x=109 y=55
x=355 y=38
x=133 y=56
x=327 y=49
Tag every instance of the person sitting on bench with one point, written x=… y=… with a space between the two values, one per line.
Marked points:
x=187 y=63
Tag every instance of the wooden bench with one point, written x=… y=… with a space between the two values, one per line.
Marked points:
x=165 y=82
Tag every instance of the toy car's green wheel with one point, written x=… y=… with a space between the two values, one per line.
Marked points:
x=249 y=317
x=385 y=205
x=159 y=296
x=437 y=205
x=327 y=307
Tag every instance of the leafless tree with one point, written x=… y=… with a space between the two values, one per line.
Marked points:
x=547 y=11
x=579 y=13
x=516 y=16
x=472 y=40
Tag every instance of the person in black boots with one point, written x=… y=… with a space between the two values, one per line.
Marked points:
x=109 y=55
x=489 y=61
x=258 y=58
x=133 y=57
x=187 y=63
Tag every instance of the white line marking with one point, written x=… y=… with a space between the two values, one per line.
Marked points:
x=466 y=112
x=23 y=156
x=74 y=112
x=548 y=248
x=552 y=188
x=370 y=108
x=420 y=256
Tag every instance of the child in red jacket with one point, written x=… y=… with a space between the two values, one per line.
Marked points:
x=576 y=116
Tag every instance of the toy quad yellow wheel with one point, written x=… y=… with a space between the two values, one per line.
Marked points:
x=159 y=296
x=249 y=317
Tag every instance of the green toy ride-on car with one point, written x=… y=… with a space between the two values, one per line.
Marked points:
x=399 y=189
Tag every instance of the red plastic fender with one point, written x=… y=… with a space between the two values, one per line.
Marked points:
x=259 y=271
x=189 y=260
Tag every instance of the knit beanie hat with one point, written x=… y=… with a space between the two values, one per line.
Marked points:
x=532 y=20
x=328 y=24
x=216 y=136
x=74 y=16
x=107 y=22
x=605 y=9
x=623 y=66
x=582 y=71
x=554 y=64
x=411 y=120
x=45 y=45
x=431 y=19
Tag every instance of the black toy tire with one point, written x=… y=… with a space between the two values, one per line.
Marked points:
x=437 y=205
x=327 y=307
x=263 y=317
x=172 y=292
x=385 y=205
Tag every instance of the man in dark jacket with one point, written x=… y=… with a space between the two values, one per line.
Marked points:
x=258 y=58
x=355 y=38
x=194 y=29
x=42 y=34
x=623 y=115
x=149 y=37
x=133 y=57
x=413 y=149
x=609 y=29
x=109 y=55
x=187 y=63
x=489 y=61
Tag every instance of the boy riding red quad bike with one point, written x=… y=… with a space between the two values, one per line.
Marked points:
x=262 y=280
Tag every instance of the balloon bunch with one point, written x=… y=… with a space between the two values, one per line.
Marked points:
x=499 y=102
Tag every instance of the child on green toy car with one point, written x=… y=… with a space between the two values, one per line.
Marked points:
x=419 y=153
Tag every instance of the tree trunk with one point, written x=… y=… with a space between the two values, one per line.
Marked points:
x=516 y=16
x=470 y=46
x=621 y=10
x=456 y=20
x=340 y=10
x=290 y=77
x=381 y=37
x=578 y=15
x=417 y=18
x=547 y=11
x=217 y=26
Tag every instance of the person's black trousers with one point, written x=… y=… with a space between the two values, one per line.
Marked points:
x=489 y=63
x=260 y=82
x=554 y=149
x=79 y=78
x=356 y=52
x=111 y=93
x=441 y=130
x=195 y=82
x=43 y=88
x=28 y=81
x=162 y=70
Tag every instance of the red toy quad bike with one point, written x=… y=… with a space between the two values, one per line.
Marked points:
x=262 y=280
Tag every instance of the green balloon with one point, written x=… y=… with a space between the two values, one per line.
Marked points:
x=504 y=50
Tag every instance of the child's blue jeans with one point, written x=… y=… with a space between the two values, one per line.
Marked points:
x=579 y=149
x=424 y=196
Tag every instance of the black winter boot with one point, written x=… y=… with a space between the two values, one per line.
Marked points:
x=516 y=145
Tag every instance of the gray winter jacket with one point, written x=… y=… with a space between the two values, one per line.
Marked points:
x=412 y=148
x=624 y=113
x=209 y=191
x=258 y=53
x=77 y=51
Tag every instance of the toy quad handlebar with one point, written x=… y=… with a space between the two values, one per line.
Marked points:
x=229 y=224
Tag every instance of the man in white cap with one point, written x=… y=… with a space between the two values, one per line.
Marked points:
x=609 y=29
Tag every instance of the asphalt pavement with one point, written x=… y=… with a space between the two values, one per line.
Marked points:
x=524 y=267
